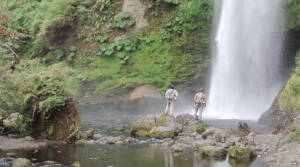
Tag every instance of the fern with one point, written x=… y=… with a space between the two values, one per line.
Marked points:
x=50 y=130
x=71 y=127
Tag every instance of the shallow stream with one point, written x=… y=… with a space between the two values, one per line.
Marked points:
x=105 y=120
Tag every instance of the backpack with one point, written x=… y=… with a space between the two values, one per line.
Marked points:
x=170 y=94
x=199 y=99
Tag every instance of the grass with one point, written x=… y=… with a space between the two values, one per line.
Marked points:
x=287 y=99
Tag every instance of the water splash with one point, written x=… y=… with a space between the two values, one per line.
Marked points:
x=246 y=55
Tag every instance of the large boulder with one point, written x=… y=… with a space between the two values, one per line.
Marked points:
x=12 y=120
x=162 y=132
x=195 y=126
x=89 y=133
x=21 y=162
x=184 y=118
x=212 y=151
x=241 y=153
x=143 y=126
x=82 y=142
x=113 y=140
x=168 y=121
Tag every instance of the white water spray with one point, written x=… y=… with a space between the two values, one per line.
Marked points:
x=247 y=48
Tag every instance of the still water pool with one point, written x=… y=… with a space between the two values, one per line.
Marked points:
x=105 y=120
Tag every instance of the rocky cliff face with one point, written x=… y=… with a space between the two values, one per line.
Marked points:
x=285 y=105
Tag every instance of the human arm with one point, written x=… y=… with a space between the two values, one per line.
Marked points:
x=195 y=98
x=204 y=98
x=176 y=95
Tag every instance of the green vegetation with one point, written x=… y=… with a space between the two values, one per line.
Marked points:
x=296 y=134
x=90 y=133
x=81 y=32
x=171 y=142
x=82 y=142
x=76 y=164
x=241 y=153
x=27 y=138
x=212 y=152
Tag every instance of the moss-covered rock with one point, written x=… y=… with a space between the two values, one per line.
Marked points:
x=285 y=103
x=202 y=143
x=13 y=120
x=89 y=133
x=162 y=132
x=120 y=128
x=219 y=135
x=82 y=142
x=180 y=140
x=168 y=121
x=129 y=139
x=212 y=151
x=21 y=162
x=76 y=164
x=171 y=142
x=196 y=126
x=119 y=142
x=143 y=126
x=177 y=147
x=241 y=153
x=184 y=118
x=113 y=140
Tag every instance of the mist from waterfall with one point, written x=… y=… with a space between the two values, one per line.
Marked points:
x=246 y=58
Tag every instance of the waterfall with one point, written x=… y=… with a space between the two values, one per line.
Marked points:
x=246 y=58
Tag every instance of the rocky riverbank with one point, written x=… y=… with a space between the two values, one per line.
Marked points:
x=183 y=132
x=16 y=143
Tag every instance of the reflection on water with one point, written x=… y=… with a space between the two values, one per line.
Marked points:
x=133 y=155
x=105 y=121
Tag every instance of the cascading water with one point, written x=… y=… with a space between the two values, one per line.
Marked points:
x=246 y=57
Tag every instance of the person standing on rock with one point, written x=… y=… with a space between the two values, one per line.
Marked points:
x=200 y=103
x=171 y=96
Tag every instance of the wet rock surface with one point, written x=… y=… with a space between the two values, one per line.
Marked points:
x=212 y=151
x=165 y=125
x=143 y=126
x=11 y=143
x=21 y=162
x=162 y=132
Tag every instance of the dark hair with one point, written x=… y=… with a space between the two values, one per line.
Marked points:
x=201 y=90
x=172 y=86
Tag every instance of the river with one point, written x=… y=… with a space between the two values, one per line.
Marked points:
x=104 y=120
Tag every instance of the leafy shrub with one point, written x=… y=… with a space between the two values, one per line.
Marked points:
x=150 y=5
x=172 y=1
x=27 y=138
x=59 y=53
x=124 y=20
x=73 y=48
x=37 y=88
x=126 y=15
x=71 y=55
x=121 y=54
